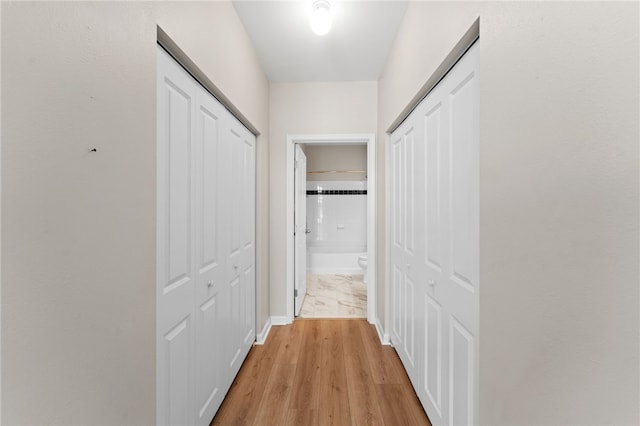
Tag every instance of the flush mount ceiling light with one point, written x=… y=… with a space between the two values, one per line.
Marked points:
x=320 y=17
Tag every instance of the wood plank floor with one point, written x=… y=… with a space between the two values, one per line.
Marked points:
x=322 y=372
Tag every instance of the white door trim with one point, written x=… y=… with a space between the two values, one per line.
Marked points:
x=337 y=139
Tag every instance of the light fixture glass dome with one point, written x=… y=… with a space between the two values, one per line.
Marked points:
x=320 y=17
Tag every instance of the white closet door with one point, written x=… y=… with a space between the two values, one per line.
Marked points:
x=240 y=247
x=211 y=308
x=440 y=275
x=450 y=298
x=434 y=384
x=248 y=266
x=404 y=259
x=206 y=248
x=175 y=246
x=460 y=201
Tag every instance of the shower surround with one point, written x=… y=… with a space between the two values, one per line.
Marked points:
x=337 y=221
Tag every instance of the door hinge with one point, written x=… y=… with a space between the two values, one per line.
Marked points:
x=295 y=292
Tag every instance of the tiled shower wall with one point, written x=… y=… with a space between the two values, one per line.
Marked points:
x=337 y=214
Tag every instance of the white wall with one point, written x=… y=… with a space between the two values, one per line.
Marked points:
x=559 y=197
x=78 y=241
x=332 y=158
x=307 y=108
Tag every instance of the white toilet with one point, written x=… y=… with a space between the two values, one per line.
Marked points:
x=363 y=261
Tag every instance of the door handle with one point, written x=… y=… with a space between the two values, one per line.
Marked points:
x=307 y=231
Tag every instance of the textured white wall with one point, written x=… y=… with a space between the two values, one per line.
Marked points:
x=559 y=197
x=78 y=241
x=307 y=108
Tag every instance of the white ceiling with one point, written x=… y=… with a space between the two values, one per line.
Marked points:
x=355 y=49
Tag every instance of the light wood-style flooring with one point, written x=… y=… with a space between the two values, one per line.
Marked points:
x=322 y=372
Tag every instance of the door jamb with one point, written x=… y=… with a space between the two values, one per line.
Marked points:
x=334 y=139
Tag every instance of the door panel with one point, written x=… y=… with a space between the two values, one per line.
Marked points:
x=236 y=315
x=208 y=191
x=434 y=394
x=178 y=371
x=175 y=283
x=209 y=307
x=397 y=156
x=234 y=205
x=248 y=191
x=408 y=178
x=461 y=377
x=249 y=305
x=396 y=308
x=463 y=174
x=240 y=254
x=179 y=186
x=397 y=246
x=409 y=323
x=247 y=333
x=209 y=345
x=433 y=225
x=463 y=239
x=403 y=251
x=433 y=368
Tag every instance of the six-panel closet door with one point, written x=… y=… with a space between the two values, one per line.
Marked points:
x=434 y=245
x=205 y=248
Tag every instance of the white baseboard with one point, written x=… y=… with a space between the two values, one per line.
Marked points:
x=280 y=320
x=262 y=336
x=384 y=338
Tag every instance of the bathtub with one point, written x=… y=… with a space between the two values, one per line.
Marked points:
x=334 y=260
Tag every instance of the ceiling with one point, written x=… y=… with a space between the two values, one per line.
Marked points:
x=355 y=49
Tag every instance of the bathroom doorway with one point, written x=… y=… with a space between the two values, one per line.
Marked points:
x=336 y=231
x=341 y=229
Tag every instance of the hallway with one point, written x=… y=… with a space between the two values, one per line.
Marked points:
x=321 y=372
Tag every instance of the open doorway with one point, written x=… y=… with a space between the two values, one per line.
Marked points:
x=339 y=222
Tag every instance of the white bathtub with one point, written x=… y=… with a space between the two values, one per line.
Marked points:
x=331 y=259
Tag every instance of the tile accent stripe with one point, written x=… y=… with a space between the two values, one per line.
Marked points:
x=337 y=192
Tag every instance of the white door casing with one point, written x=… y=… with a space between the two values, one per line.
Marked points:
x=300 y=223
x=332 y=139
x=446 y=265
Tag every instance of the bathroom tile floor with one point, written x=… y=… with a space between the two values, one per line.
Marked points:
x=335 y=296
